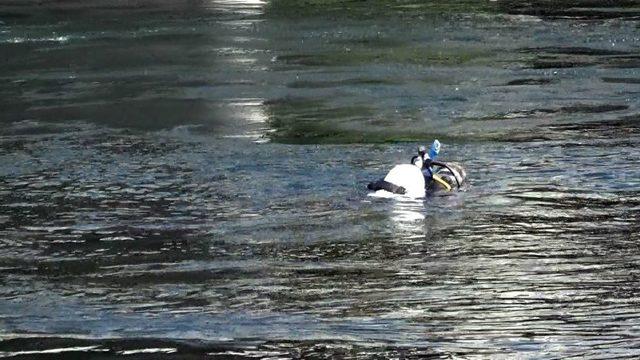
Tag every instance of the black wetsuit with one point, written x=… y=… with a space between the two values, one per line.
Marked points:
x=426 y=167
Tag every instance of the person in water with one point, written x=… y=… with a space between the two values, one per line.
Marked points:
x=424 y=161
x=424 y=158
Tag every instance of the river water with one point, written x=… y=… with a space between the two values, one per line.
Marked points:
x=181 y=178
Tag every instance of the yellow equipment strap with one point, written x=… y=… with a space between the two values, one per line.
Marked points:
x=439 y=180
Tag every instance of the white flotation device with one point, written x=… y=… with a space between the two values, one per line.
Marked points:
x=409 y=177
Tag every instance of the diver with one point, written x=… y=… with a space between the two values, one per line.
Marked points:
x=419 y=177
x=426 y=158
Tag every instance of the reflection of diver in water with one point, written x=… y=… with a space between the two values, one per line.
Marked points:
x=437 y=175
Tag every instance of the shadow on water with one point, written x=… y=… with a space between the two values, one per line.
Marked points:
x=577 y=9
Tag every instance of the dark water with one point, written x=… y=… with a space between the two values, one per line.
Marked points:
x=188 y=178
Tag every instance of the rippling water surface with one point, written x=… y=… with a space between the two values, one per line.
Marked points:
x=188 y=178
